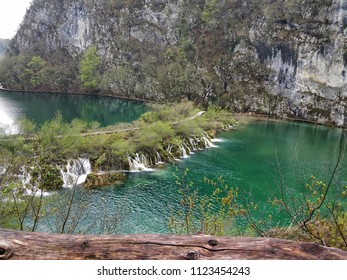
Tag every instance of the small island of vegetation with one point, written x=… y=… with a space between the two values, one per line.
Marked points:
x=39 y=161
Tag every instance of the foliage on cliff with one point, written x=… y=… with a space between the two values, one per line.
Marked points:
x=246 y=55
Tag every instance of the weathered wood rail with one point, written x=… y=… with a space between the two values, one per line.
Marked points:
x=15 y=245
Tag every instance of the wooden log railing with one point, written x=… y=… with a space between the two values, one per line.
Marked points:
x=15 y=245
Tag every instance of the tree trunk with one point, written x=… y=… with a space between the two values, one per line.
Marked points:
x=16 y=245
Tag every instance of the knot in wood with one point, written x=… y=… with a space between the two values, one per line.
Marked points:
x=2 y=251
x=5 y=252
x=85 y=244
x=193 y=255
x=213 y=243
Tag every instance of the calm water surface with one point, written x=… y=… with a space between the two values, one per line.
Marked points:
x=40 y=107
x=246 y=158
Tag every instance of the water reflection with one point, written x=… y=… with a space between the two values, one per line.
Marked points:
x=8 y=116
x=41 y=107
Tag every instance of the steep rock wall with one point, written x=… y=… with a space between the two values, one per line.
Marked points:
x=283 y=58
x=309 y=65
x=76 y=25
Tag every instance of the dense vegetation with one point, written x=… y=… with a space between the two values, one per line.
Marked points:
x=318 y=214
x=210 y=59
x=207 y=55
x=57 y=141
x=31 y=162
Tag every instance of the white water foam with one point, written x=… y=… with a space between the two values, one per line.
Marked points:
x=217 y=140
x=75 y=172
x=139 y=163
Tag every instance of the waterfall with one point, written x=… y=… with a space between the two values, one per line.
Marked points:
x=142 y=159
x=34 y=191
x=76 y=172
x=158 y=160
x=183 y=152
x=26 y=187
x=192 y=143
x=208 y=143
x=189 y=151
x=138 y=164
x=3 y=170
x=169 y=149
x=25 y=177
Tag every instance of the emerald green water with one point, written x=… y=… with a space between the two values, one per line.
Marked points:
x=246 y=158
x=40 y=107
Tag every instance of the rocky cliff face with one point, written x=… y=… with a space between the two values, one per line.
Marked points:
x=284 y=58
x=111 y=25
x=308 y=62
x=3 y=46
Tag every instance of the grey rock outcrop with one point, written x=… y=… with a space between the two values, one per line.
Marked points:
x=283 y=58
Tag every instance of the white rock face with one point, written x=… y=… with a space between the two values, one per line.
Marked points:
x=75 y=32
x=308 y=71
x=306 y=58
x=75 y=25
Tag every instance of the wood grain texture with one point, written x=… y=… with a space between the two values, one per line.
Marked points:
x=15 y=245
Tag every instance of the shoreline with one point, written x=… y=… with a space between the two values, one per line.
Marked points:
x=248 y=115
x=79 y=93
x=264 y=117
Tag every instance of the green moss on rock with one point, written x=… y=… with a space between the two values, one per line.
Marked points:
x=104 y=179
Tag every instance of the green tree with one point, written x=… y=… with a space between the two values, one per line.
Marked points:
x=12 y=71
x=89 y=68
x=212 y=213
x=36 y=71
x=29 y=167
x=151 y=137
x=121 y=80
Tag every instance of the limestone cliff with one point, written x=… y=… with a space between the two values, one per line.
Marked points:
x=286 y=58
x=3 y=46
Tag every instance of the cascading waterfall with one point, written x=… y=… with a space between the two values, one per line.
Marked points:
x=139 y=163
x=142 y=159
x=34 y=191
x=3 y=170
x=192 y=143
x=25 y=177
x=25 y=186
x=158 y=160
x=169 y=149
x=189 y=151
x=183 y=152
x=208 y=143
x=75 y=172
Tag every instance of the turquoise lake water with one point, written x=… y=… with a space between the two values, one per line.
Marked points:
x=248 y=158
x=40 y=107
